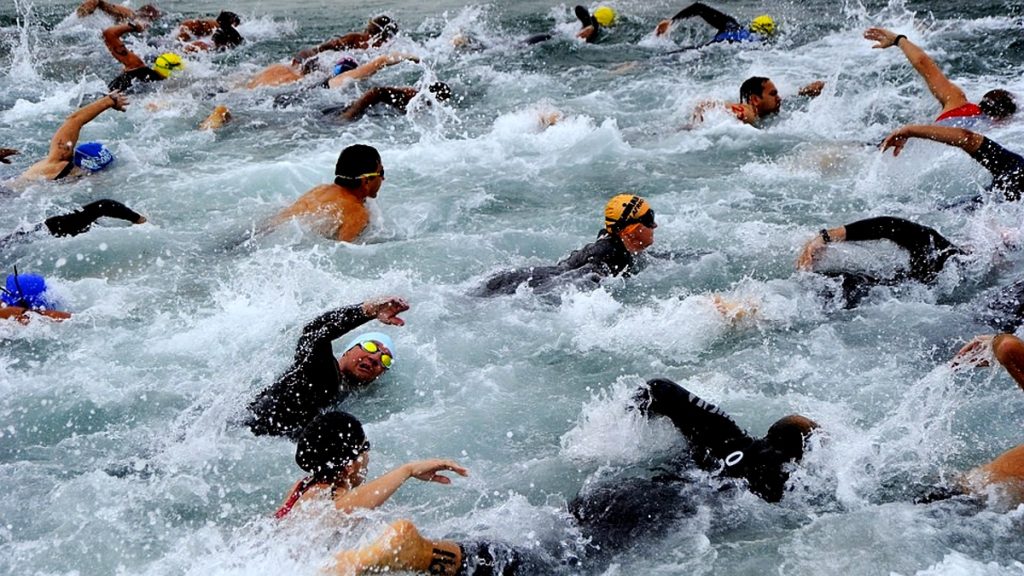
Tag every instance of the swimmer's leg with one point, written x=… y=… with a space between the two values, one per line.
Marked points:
x=401 y=547
x=218 y=118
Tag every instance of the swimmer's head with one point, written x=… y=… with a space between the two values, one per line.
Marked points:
x=763 y=25
x=359 y=169
x=762 y=94
x=168 y=63
x=383 y=28
x=92 y=156
x=330 y=444
x=26 y=291
x=148 y=12
x=789 y=435
x=344 y=64
x=605 y=16
x=998 y=104
x=441 y=91
x=624 y=210
x=228 y=20
x=367 y=356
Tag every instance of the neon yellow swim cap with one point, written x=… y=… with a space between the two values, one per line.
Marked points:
x=166 y=63
x=763 y=25
x=604 y=15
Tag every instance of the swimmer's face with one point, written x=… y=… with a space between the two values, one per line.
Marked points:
x=769 y=101
x=356 y=471
x=638 y=237
x=362 y=365
x=373 y=183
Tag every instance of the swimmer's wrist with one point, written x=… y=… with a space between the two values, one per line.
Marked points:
x=896 y=40
x=823 y=233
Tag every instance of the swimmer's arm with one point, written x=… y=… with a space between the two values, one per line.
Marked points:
x=396 y=97
x=117 y=11
x=964 y=139
x=377 y=491
x=22 y=314
x=352 y=40
x=946 y=92
x=371 y=68
x=813 y=248
x=352 y=225
x=1009 y=351
x=120 y=52
x=6 y=153
x=62 y=145
x=812 y=90
x=317 y=335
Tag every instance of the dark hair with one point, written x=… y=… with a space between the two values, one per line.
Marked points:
x=382 y=26
x=354 y=161
x=149 y=12
x=329 y=443
x=441 y=91
x=789 y=434
x=998 y=104
x=228 y=19
x=311 y=65
x=753 y=86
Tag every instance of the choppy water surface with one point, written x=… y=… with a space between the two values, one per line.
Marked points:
x=120 y=452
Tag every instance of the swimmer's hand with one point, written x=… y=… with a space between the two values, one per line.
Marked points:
x=897 y=140
x=5 y=153
x=976 y=353
x=662 y=28
x=118 y=101
x=386 y=309
x=810 y=253
x=429 y=470
x=396 y=57
x=812 y=90
x=883 y=38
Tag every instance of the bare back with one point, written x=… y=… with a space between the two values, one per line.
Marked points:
x=331 y=210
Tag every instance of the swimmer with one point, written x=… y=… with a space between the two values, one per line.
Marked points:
x=119 y=13
x=6 y=153
x=929 y=252
x=628 y=231
x=395 y=98
x=727 y=28
x=591 y=25
x=759 y=98
x=334 y=452
x=316 y=380
x=135 y=70
x=378 y=31
x=65 y=159
x=221 y=30
x=78 y=221
x=1006 y=168
x=345 y=70
x=217 y=119
x=24 y=295
x=956 y=110
x=338 y=210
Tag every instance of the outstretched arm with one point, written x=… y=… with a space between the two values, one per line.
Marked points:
x=371 y=68
x=62 y=146
x=376 y=492
x=112 y=38
x=82 y=219
x=964 y=139
x=350 y=40
x=948 y=94
x=717 y=19
x=396 y=97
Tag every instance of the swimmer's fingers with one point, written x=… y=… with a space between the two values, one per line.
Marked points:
x=977 y=352
x=882 y=37
x=430 y=470
x=386 y=310
x=809 y=253
x=896 y=141
x=5 y=153
x=120 y=101
x=662 y=27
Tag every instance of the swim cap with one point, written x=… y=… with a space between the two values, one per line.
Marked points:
x=329 y=443
x=763 y=25
x=375 y=336
x=623 y=210
x=166 y=63
x=26 y=291
x=92 y=156
x=604 y=15
x=441 y=91
x=345 y=64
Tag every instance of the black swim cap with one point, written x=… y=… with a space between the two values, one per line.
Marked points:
x=441 y=91
x=329 y=443
x=753 y=86
x=998 y=104
x=382 y=26
x=227 y=19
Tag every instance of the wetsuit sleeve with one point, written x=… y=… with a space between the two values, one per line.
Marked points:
x=928 y=249
x=82 y=219
x=607 y=252
x=1007 y=168
x=317 y=335
x=716 y=19
x=709 y=430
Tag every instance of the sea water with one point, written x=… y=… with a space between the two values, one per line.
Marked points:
x=121 y=450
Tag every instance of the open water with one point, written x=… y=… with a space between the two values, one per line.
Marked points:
x=120 y=451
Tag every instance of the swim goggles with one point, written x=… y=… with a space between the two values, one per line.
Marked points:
x=372 y=347
x=379 y=173
x=647 y=219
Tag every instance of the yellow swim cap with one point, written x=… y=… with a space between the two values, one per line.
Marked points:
x=604 y=15
x=166 y=63
x=763 y=25
x=623 y=210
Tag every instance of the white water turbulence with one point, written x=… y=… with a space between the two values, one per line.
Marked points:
x=121 y=444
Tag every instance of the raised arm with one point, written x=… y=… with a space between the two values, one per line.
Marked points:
x=82 y=219
x=62 y=145
x=948 y=94
x=964 y=139
x=377 y=491
x=371 y=68
x=324 y=329
x=112 y=38
x=717 y=19
x=350 y=40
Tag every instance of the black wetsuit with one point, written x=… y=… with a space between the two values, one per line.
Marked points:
x=128 y=81
x=1005 y=310
x=929 y=252
x=313 y=383
x=727 y=28
x=607 y=256
x=1007 y=168
x=78 y=221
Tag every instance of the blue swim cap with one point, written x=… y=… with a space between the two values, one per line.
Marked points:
x=25 y=290
x=93 y=156
x=344 y=65
x=367 y=336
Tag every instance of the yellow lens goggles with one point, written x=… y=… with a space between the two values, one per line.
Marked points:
x=372 y=347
